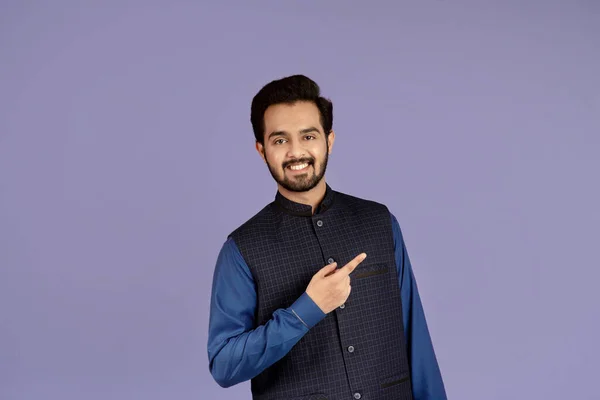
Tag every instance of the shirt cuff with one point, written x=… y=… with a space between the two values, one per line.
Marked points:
x=307 y=311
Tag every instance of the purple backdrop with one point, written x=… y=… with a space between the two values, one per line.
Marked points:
x=126 y=157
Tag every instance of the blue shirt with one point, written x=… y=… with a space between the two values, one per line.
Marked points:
x=238 y=350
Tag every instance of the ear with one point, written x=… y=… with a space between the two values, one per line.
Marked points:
x=331 y=140
x=261 y=151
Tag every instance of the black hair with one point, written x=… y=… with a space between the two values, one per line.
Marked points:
x=289 y=90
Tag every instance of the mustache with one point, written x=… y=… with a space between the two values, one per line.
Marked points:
x=298 y=161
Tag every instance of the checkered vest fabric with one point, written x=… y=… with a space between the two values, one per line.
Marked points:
x=357 y=351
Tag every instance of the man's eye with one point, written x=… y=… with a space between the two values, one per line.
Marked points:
x=278 y=141
x=310 y=136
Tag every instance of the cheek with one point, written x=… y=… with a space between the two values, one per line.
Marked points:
x=273 y=156
x=318 y=152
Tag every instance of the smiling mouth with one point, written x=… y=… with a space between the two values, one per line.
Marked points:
x=299 y=167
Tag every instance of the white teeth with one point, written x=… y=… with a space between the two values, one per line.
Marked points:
x=297 y=167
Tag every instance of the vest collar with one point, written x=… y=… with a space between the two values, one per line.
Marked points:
x=305 y=210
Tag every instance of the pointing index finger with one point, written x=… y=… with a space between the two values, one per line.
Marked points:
x=351 y=266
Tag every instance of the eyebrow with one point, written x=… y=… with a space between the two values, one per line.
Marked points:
x=312 y=129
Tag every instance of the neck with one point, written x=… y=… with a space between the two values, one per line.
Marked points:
x=312 y=197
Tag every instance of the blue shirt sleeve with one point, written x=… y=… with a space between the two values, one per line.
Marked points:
x=426 y=377
x=237 y=349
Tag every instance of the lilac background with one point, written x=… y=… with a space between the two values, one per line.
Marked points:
x=126 y=157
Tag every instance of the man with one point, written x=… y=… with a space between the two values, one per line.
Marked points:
x=314 y=296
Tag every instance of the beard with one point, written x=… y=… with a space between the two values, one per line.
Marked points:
x=300 y=182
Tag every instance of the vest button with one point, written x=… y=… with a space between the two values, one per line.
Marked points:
x=351 y=349
x=357 y=395
x=319 y=223
x=343 y=306
x=330 y=260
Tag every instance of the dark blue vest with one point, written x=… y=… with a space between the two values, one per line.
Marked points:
x=359 y=350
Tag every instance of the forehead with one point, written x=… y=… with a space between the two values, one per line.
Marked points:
x=291 y=117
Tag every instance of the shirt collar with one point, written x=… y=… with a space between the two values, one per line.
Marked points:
x=305 y=210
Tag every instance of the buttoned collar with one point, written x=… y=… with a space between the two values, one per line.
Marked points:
x=305 y=210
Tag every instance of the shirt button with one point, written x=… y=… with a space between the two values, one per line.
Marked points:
x=343 y=306
x=330 y=260
x=319 y=223
x=351 y=349
x=357 y=395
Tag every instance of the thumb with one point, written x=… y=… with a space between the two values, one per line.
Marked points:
x=326 y=270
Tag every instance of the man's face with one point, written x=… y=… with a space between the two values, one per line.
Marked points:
x=295 y=147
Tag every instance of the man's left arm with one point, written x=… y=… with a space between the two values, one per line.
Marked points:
x=426 y=378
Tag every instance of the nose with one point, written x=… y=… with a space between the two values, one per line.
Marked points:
x=296 y=150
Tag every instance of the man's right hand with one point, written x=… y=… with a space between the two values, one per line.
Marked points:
x=329 y=288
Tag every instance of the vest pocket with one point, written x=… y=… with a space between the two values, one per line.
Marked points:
x=365 y=271
x=312 y=396
x=394 y=380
